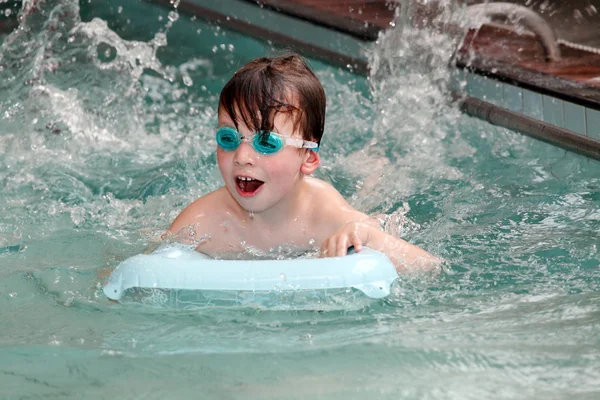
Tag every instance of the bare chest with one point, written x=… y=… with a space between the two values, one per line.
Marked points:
x=248 y=235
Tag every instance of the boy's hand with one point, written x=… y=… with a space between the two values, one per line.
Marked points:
x=406 y=257
x=354 y=234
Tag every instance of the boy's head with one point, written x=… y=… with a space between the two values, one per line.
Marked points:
x=266 y=87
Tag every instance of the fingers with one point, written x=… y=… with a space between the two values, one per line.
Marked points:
x=323 y=252
x=341 y=246
x=330 y=247
x=337 y=246
x=356 y=242
x=351 y=234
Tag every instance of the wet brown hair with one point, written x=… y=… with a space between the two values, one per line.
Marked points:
x=267 y=86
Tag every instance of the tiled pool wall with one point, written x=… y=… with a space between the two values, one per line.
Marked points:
x=576 y=118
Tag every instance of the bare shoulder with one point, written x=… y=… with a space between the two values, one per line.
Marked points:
x=324 y=191
x=201 y=212
x=331 y=206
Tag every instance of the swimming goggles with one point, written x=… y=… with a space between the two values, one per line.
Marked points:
x=263 y=142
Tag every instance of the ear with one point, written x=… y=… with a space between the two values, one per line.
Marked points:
x=311 y=162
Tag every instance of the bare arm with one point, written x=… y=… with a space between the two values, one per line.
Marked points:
x=349 y=227
x=406 y=257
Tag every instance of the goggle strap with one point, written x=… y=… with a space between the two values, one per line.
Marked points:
x=302 y=144
x=310 y=145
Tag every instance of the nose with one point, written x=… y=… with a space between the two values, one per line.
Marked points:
x=244 y=154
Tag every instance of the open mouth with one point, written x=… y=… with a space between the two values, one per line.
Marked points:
x=247 y=186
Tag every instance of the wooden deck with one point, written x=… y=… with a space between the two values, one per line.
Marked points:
x=520 y=60
x=361 y=18
x=491 y=51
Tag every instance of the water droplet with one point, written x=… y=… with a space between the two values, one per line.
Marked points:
x=251 y=214
x=160 y=39
x=173 y=16
x=187 y=81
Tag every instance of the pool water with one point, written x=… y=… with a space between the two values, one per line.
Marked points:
x=106 y=134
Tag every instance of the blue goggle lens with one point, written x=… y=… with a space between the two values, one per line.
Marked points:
x=228 y=138
x=267 y=143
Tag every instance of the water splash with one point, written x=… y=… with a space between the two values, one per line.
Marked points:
x=412 y=121
x=128 y=57
x=92 y=127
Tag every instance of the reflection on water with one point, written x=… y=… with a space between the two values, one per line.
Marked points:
x=106 y=134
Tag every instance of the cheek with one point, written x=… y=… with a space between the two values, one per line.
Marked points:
x=223 y=159
x=284 y=168
x=222 y=154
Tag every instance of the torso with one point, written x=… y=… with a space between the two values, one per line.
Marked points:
x=235 y=233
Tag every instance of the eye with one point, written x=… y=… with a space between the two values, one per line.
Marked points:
x=266 y=139
x=227 y=133
x=228 y=137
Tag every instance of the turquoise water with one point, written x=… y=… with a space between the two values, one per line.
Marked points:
x=106 y=134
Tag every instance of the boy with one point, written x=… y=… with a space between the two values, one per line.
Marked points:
x=271 y=118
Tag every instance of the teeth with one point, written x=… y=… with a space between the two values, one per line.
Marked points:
x=244 y=178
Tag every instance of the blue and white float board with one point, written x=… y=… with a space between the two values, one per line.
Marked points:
x=179 y=268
